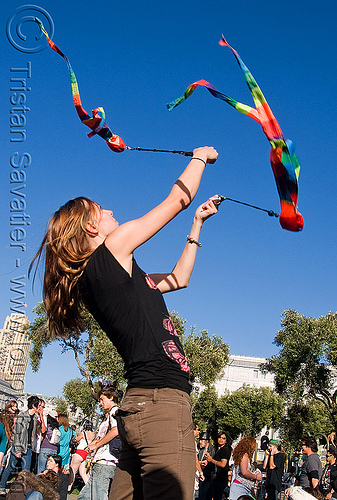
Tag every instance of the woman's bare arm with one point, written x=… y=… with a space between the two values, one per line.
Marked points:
x=244 y=469
x=180 y=276
x=126 y=238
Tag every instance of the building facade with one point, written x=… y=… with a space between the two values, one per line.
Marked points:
x=14 y=350
x=7 y=393
x=243 y=370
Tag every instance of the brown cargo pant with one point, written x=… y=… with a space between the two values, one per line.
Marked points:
x=158 y=456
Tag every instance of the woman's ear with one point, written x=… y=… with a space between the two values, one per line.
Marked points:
x=91 y=228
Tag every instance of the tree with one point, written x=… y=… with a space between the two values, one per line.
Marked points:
x=207 y=355
x=205 y=409
x=248 y=409
x=94 y=354
x=304 y=419
x=78 y=394
x=60 y=405
x=305 y=368
x=104 y=360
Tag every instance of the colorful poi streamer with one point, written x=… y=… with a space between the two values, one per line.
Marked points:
x=283 y=159
x=96 y=122
x=98 y=126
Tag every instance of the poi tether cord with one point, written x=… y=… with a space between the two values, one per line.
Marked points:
x=284 y=162
x=184 y=153
x=271 y=213
x=98 y=126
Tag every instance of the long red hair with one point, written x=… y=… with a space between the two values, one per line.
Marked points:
x=246 y=445
x=67 y=250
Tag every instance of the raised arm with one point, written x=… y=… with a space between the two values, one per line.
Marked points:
x=180 y=276
x=246 y=472
x=126 y=238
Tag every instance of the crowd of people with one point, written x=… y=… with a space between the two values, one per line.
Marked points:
x=226 y=473
x=40 y=452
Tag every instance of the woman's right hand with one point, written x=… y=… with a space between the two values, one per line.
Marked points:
x=259 y=476
x=207 y=153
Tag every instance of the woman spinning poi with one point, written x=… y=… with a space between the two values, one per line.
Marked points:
x=89 y=260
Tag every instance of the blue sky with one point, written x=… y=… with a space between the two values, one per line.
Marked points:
x=132 y=58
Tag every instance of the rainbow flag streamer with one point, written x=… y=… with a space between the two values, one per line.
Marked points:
x=96 y=122
x=284 y=162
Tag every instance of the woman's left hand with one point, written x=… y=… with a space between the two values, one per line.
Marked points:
x=207 y=209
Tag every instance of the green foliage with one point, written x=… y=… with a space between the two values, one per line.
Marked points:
x=38 y=336
x=304 y=419
x=104 y=359
x=248 y=409
x=205 y=409
x=93 y=352
x=302 y=369
x=207 y=355
x=179 y=324
x=61 y=406
x=77 y=393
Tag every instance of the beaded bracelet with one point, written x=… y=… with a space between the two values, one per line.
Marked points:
x=196 y=158
x=191 y=240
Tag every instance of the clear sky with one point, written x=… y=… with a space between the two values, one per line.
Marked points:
x=132 y=58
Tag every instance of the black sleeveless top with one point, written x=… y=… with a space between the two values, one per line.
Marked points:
x=133 y=314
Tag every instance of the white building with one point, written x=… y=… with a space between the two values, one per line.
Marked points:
x=243 y=370
x=14 y=350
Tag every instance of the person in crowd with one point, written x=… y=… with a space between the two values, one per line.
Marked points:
x=66 y=435
x=50 y=440
x=296 y=461
x=305 y=493
x=54 y=463
x=199 y=474
x=264 y=441
x=12 y=407
x=274 y=466
x=208 y=468
x=104 y=461
x=78 y=460
x=331 y=439
x=328 y=480
x=89 y=259
x=40 y=431
x=311 y=469
x=289 y=477
x=24 y=441
x=7 y=420
x=221 y=462
x=51 y=484
x=244 y=478
x=28 y=486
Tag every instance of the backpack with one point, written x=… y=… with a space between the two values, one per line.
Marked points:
x=115 y=445
x=73 y=444
x=55 y=437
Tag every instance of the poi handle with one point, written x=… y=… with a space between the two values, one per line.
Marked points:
x=219 y=200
